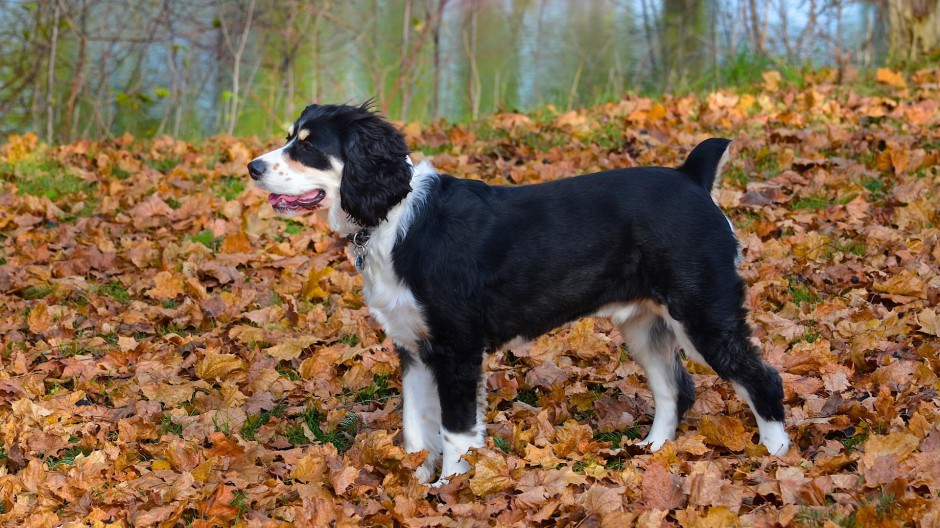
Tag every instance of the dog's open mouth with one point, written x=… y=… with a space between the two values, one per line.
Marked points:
x=307 y=201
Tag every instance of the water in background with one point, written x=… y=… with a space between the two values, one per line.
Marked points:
x=169 y=65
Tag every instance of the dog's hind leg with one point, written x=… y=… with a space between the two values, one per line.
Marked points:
x=652 y=345
x=724 y=345
x=463 y=400
x=421 y=413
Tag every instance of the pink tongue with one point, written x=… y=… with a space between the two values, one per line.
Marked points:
x=275 y=199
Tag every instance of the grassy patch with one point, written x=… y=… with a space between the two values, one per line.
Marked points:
x=746 y=69
x=736 y=176
x=228 y=187
x=501 y=443
x=528 y=396
x=240 y=501
x=853 y=441
x=67 y=458
x=341 y=438
x=766 y=164
x=349 y=339
x=44 y=177
x=802 y=293
x=115 y=290
x=810 y=336
x=36 y=292
x=254 y=422
x=876 y=186
x=285 y=369
x=163 y=165
x=293 y=227
x=170 y=426
x=377 y=391
x=207 y=238
x=616 y=437
x=811 y=203
x=846 y=247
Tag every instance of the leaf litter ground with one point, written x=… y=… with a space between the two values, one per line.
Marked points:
x=174 y=354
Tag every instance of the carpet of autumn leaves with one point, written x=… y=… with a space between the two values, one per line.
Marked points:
x=171 y=353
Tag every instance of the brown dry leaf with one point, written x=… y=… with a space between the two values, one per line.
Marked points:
x=929 y=322
x=890 y=77
x=771 y=80
x=662 y=490
x=312 y=289
x=310 y=468
x=167 y=285
x=491 y=475
x=715 y=517
x=541 y=456
x=39 y=318
x=218 y=367
x=290 y=348
x=725 y=431
x=907 y=283
x=236 y=243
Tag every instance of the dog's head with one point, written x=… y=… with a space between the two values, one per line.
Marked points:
x=340 y=157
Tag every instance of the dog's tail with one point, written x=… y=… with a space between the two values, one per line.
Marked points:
x=707 y=160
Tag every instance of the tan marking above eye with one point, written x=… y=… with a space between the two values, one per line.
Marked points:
x=290 y=130
x=302 y=135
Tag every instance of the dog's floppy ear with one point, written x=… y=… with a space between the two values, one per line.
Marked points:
x=376 y=174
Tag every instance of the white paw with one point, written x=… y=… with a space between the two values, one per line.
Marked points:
x=774 y=437
x=424 y=473
x=439 y=482
x=457 y=468
x=654 y=441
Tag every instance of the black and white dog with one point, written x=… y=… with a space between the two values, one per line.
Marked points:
x=454 y=268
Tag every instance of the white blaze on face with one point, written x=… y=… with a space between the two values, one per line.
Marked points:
x=284 y=175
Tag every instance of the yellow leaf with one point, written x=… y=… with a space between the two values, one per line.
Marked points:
x=237 y=243
x=18 y=147
x=39 y=318
x=126 y=343
x=310 y=468
x=160 y=465
x=246 y=334
x=726 y=431
x=771 y=80
x=290 y=348
x=312 y=290
x=491 y=475
x=218 y=366
x=890 y=77
x=692 y=443
x=203 y=471
x=657 y=112
x=929 y=322
x=167 y=285
x=541 y=456
x=907 y=282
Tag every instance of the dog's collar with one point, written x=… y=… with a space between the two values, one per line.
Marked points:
x=360 y=241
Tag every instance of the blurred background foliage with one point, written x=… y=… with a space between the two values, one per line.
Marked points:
x=191 y=68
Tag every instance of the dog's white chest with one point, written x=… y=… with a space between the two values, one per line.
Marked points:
x=389 y=299
x=394 y=306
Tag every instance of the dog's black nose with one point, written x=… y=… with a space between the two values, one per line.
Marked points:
x=256 y=169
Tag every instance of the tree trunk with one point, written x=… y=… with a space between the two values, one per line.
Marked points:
x=50 y=95
x=914 y=29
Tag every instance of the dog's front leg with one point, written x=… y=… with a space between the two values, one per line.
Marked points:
x=462 y=398
x=421 y=414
